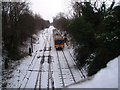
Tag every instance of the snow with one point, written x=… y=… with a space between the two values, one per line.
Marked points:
x=26 y=74
x=105 y=78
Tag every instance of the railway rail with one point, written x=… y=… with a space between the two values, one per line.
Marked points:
x=49 y=60
x=39 y=75
x=60 y=70
x=50 y=77
x=75 y=63
x=25 y=76
x=64 y=76
x=39 y=71
x=41 y=64
x=69 y=67
x=71 y=73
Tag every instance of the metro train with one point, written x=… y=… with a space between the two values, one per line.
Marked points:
x=58 y=40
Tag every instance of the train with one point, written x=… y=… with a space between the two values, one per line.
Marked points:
x=58 y=40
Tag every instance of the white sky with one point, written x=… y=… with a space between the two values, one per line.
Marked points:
x=49 y=8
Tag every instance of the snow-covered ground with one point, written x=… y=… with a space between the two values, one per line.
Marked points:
x=36 y=72
x=105 y=78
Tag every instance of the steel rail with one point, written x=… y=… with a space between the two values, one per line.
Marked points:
x=60 y=70
x=69 y=67
x=25 y=76
x=77 y=66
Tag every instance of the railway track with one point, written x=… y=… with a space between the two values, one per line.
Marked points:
x=27 y=75
x=49 y=69
x=75 y=63
x=24 y=76
x=69 y=67
x=50 y=77
x=39 y=81
x=61 y=55
x=66 y=73
x=61 y=73
x=39 y=75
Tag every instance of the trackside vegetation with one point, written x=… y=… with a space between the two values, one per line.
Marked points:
x=96 y=33
x=18 y=25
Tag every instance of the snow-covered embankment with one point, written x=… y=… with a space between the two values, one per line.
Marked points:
x=105 y=78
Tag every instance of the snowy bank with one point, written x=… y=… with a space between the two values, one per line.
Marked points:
x=105 y=78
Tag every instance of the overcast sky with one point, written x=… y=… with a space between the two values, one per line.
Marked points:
x=49 y=8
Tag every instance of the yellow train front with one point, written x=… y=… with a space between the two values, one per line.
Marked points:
x=59 y=43
x=58 y=40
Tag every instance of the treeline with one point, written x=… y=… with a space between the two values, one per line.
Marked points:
x=96 y=32
x=18 y=24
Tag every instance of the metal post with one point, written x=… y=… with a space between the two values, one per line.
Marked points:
x=31 y=44
x=30 y=52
